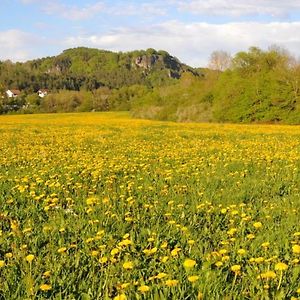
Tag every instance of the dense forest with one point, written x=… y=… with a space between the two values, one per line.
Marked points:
x=252 y=86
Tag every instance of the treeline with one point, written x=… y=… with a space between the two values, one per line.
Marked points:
x=251 y=86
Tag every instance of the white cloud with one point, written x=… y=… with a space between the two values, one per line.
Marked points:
x=17 y=45
x=193 y=43
x=73 y=12
x=238 y=7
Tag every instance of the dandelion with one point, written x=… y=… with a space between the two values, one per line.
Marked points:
x=2 y=263
x=268 y=275
x=171 y=282
x=128 y=265
x=144 y=288
x=175 y=251
x=189 y=263
x=281 y=266
x=46 y=274
x=62 y=250
x=161 y=275
x=120 y=297
x=114 y=251
x=257 y=225
x=235 y=268
x=193 y=278
x=219 y=264
x=241 y=251
x=29 y=258
x=296 y=249
x=265 y=244
x=45 y=287
x=103 y=260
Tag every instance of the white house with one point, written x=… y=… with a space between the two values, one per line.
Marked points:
x=13 y=93
x=42 y=93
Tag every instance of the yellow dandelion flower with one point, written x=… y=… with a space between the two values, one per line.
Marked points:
x=164 y=259
x=62 y=250
x=144 y=288
x=124 y=285
x=241 y=251
x=95 y=253
x=281 y=266
x=114 y=251
x=235 y=268
x=120 y=297
x=189 y=263
x=45 y=287
x=265 y=244
x=103 y=260
x=175 y=251
x=268 y=275
x=171 y=282
x=296 y=249
x=8 y=255
x=128 y=265
x=193 y=278
x=219 y=264
x=259 y=260
x=298 y=291
x=47 y=274
x=257 y=225
x=161 y=275
x=250 y=236
x=29 y=258
x=2 y=263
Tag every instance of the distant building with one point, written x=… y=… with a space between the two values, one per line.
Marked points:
x=42 y=93
x=13 y=93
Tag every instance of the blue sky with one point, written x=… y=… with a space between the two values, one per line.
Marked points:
x=189 y=29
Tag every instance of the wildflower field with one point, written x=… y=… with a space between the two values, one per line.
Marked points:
x=102 y=206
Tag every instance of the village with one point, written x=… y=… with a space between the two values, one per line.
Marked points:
x=12 y=100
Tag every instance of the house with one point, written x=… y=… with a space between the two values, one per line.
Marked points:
x=42 y=93
x=13 y=93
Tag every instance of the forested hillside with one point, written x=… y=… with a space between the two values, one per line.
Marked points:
x=252 y=86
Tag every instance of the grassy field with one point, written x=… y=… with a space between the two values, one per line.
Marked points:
x=101 y=206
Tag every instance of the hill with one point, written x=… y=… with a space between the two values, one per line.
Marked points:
x=86 y=68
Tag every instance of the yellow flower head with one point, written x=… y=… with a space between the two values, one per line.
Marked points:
x=296 y=249
x=45 y=287
x=114 y=251
x=189 y=263
x=29 y=258
x=171 y=282
x=120 y=297
x=193 y=278
x=268 y=275
x=236 y=268
x=128 y=265
x=241 y=251
x=161 y=275
x=2 y=263
x=281 y=266
x=257 y=225
x=62 y=250
x=144 y=288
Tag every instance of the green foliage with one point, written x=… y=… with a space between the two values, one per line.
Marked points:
x=262 y=86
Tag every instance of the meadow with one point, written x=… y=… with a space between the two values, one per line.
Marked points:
x=102 y=206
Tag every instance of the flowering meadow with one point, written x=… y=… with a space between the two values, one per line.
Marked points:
x=102 y=206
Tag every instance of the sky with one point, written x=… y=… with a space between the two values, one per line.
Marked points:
x=190 y=30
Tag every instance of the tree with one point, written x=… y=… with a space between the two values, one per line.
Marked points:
x=220 y=60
